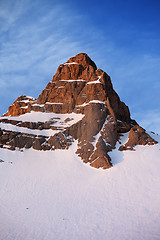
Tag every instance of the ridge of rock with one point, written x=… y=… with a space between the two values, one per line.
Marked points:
x=82 y=59
x=99 y=117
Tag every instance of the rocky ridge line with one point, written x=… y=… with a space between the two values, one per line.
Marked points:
x=79 y=87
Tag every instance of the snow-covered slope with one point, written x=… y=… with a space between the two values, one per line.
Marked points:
x=48 y=193
x=58 y=121
x=53 y=195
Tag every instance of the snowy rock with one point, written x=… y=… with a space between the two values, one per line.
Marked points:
x=137 y=136
x=78 y=104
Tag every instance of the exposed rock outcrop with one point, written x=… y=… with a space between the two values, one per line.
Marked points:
x=77 y=87
x=137 y=136
x=20 y=106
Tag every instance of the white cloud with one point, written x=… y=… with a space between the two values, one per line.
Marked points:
x=10 y=12
x=31 y=49
x=36 y=39
x=32 y=44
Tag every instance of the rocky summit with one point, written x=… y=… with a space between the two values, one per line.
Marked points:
x=79 y=104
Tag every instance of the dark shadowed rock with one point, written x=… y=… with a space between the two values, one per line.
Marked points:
x=1 y=132
x=37 y=144
x=79 y=87
x=100 y=157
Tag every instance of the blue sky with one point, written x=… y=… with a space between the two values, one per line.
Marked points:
x=121 y=37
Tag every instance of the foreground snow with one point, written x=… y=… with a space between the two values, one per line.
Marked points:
x=54 y=195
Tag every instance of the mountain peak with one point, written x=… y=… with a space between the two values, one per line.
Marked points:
x=78 y=104
x=78 y=67
x=82 y=59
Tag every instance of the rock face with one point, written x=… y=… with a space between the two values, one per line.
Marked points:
x=20 y=106
x=137 y=136
x=77 y=87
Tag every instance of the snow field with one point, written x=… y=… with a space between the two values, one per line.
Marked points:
x=54 y=195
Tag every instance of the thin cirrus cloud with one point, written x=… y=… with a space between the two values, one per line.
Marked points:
x=37 y=36
x=29 y=52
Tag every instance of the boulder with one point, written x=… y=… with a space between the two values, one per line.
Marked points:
x=37 y=144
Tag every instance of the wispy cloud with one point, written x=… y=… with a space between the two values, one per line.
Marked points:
x=36 y=36
x=10 y=12
x=31 y=51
